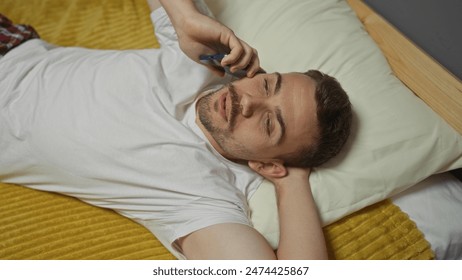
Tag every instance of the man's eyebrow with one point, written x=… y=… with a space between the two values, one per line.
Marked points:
x=277 y=87
x=282 y=124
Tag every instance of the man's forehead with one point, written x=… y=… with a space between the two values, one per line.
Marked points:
x=303 y=111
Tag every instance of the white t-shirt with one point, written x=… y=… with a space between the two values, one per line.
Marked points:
x=117 y=129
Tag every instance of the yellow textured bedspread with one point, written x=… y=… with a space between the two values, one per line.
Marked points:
x=39 y=225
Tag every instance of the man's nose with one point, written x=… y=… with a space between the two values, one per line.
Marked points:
x=249 y=105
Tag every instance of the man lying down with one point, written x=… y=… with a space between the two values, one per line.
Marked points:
x=157 y=137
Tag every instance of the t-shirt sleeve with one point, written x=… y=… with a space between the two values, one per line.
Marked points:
x=197 y=215
x=163 y=27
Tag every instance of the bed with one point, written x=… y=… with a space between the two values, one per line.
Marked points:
x=374 y=222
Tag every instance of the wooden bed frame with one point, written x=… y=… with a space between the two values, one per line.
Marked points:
x=429 y=80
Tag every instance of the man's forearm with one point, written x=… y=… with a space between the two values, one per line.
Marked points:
x=301 y=234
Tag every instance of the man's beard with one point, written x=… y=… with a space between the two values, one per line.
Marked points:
x=222 y=136
x=204 y=111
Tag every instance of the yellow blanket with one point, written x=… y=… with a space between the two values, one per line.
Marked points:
x=38 y=225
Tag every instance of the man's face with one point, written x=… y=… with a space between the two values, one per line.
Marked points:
x=260 y=118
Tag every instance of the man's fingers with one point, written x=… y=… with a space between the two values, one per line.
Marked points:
x=254 y=65
x=235 y=53
x=243 y=57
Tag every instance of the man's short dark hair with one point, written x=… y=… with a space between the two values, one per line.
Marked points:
x=334 y=115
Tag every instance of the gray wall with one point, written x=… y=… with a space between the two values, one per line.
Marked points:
x=434 y=25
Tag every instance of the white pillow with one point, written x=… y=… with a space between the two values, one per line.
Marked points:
x=396 y=140
x=435 y=205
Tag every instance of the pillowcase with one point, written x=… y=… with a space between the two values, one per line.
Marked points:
x=435 y=205
x=396 y=141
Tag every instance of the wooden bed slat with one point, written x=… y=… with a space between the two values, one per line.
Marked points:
x=435 y=85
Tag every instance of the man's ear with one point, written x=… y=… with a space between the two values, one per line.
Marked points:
x=270 y=169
